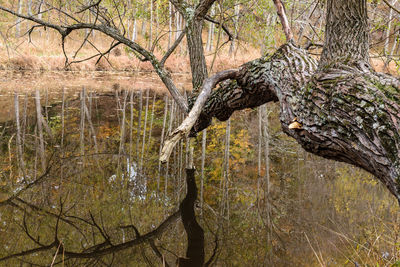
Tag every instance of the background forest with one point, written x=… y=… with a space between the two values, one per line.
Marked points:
x=263 y=200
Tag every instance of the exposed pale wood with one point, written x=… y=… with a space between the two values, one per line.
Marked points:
x=194 y=113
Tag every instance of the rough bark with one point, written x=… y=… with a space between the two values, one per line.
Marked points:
x=196 y=54
x=347 y=113
x=346 y=35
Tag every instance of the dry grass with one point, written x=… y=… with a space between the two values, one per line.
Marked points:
x=44 y=54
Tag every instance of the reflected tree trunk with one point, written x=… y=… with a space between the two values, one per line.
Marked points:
x=166 y=101
x=267 y=181
x=151 y=120
x=195 y=234
x=40 y=129
x=24 y=121
x=21 y=161
x=203 y=160
x=122 y=128
x=82 y=124
x=139 y=125
x=259 y=150
x=144 y=129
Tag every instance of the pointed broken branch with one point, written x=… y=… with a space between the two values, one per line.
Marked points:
x=195 y=112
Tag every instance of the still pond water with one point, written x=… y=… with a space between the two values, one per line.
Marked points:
x=80 y=181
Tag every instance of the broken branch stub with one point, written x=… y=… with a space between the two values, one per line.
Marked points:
x=195 y=112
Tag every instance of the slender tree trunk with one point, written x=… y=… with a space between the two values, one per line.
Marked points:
x=134 y=30
x=123 y=130
x=29 y=7
x=19 y=20
x=260 y=131
x=169 y=24
x=131 y=164
x=210 y=38
x=389 y=29
x=267 y=180
x=82 y=123
x=151 y=24
x=91 y=127
x=236 y=25
x=24 y=121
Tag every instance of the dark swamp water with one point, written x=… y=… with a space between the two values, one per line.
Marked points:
x=81 y=184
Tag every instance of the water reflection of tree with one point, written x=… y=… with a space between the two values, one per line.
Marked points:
x=89 y=197
x=66 y=165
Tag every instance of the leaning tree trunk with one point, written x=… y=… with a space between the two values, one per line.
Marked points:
x=344 y=109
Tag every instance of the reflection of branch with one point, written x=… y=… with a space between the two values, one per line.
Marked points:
x=41 y=247
x=98 y=250
x=16 y=194
x=158 y=253
x=211 y=259
x=30 y=252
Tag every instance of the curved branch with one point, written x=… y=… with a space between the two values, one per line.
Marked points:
x=195 y=112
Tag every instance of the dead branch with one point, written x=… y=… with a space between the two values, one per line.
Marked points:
x=195 y=112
